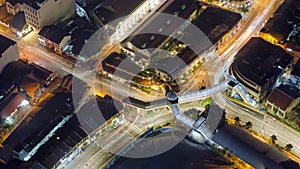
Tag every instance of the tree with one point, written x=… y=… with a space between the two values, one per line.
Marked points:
x=248 y=125
x=203 y=87
x=273 y=139
x=289 y=147
x=237 y=120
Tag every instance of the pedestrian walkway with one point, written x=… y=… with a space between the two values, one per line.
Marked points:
x=130 y=126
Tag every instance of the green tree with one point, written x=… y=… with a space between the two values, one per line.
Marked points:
x=289 y=147
x=237 y=120
x=273 y=139
x=203 y=87
x=248 y=125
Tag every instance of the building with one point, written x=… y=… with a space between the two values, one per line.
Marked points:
x=6 y=88
x=8 y=51
x=29 y=79
x=98 y=112
x=18 y=25
x=259 y=65
x=39 y=13
x=110 y=10
x=16 y=71
x=218 y=24
x=120 y=18
x=29 y=87
x=120 y=67
x=150 y=36
x=35 y=130
x=14 y=6
x=55 y=38
x=282 y=28
x=64 y=140
x=283 y=99
x=68 y=37
x=295 y=74
x=9 y=107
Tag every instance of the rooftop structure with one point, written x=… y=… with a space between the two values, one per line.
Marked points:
x=109 y=10
x=119 y=65
x=18 y=24
x=17 y=70
x=6 y=88
x=281 y=29
x=14 y=6
x=10 y=105
x=5 y=44
x=39 y=13
x=31 y=133
x=160 y=27
x=67 y=37
x=96 y=112
x=65 y=139
x=35 y=3
x=8 y=51
x=296 y=69
x=216 y=22
x=258 y=65
x=54 y=33
x=282 y=99
x=55 y=37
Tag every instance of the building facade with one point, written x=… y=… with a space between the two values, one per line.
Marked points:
x=54 y=38
x=282 y=100
x=39 y=13
x=259 y=65
x=14 y=6
x=8 y=51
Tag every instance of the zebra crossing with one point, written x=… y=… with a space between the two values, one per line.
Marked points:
x=131 y=127
x=207 y=73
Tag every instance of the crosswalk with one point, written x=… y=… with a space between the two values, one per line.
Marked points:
x=131 y=127
x=207 y=73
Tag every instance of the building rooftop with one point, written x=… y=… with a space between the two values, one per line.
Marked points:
x=296 y=70
x=278 y=27
x=10 y=105
x=216 y=22
x=110 y=10
x=260 y=61
x=35 y=4
x=29 y=85
x=64 y=140
x=80 y=35
x=54 y=33
x=17 y=70
x=97 y=111
x=6 y=87
x=14 y=2
x=153 y=34
x=283 y=96
x=5 y=44
x=33 y=129
x=181 y=8
x=120 y=65
x=40 y=71
x=283 y=21
x=144 y=105
x=18 y=21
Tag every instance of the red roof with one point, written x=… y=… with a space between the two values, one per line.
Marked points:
x=283 y=96
x=10 y=105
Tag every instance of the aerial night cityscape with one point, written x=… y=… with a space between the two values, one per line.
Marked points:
x=150 y=84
